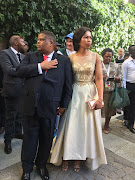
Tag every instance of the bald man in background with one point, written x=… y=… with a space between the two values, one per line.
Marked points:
x=120 y=58
x=12 y=88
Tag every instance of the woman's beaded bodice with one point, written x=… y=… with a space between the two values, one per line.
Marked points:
x=83 y=68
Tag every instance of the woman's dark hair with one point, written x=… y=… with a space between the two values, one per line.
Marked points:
x=106 y=50
x=78 y=35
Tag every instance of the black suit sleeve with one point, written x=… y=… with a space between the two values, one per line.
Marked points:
x=6 y=64
x=67 y=89
x=27 y=69
x=1 y=77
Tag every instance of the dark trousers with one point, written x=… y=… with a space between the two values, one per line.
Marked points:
x=2 y=112
x=131 y=107
x=37 y=141
x=13 y=122
x=125 y=110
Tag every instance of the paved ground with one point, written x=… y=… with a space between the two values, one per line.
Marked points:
x=120 y=151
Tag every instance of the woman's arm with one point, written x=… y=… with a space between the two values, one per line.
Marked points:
x=99 y=82
x=99 y=77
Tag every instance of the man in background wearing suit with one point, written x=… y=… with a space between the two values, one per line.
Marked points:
x=47 y=91
x=12 y=88
x=2 y=105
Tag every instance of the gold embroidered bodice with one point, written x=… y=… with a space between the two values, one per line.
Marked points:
x=83 y=68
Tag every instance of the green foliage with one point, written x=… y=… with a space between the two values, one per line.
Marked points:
x=112 y=21
x=29 y=17
x=116 y=26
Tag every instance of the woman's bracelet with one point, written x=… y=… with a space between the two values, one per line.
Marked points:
x=101 y=102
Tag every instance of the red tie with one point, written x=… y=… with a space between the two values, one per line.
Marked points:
x=45 y=58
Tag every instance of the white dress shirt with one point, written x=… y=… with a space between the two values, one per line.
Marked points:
x=128 y=68
x=69 y=52
x=16 y=52
x=48 y=59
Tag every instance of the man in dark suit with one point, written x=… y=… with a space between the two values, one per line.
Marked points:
x=2 y=105
x=12 y=87
x=47 y=91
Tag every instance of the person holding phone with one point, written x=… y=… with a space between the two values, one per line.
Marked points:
x=110 y=76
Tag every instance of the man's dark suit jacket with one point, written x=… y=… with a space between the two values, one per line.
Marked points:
x=46 y=92
x=1 y=77
x=12 y=85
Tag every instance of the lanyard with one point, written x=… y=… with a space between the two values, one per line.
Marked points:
x=107 y=70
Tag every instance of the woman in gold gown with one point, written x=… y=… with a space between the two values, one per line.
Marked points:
x=79 y=135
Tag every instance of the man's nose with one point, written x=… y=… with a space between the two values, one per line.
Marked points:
x=38 y=42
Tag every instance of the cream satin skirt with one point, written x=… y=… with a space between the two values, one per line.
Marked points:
x=80 y=134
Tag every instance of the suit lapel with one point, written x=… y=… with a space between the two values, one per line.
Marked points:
x=52 y=70
x=40 y=57
x=13 y=55
x=55 y=55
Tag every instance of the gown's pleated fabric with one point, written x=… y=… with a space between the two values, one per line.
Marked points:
x=80 y=134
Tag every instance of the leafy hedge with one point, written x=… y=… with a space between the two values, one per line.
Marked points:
x=112 y=21
x=116 y=26
x=30 y=17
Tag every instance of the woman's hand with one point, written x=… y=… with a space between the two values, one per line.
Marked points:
x=98 y=105
x=117 y=79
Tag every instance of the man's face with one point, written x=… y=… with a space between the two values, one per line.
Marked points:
x=69 y=44
x=21 y=45
x=121 y=52
x=132 y=52
x=43 y=44
x=26 y=47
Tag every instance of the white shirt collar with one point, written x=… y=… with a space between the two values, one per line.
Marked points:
x=14 y=51
x=50 y=55
x=130 y=58
x=120 y=58
x=69 y=52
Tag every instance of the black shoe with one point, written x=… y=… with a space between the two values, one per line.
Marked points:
x=19 y=136
x=132 y=130
x=125 y=123
x=8 y=148
x=43 y=172
x=25 y=176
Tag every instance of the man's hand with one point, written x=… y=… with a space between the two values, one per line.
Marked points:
x=60 y=111
x=45 y=65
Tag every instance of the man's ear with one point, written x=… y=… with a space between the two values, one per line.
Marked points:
x=16 y=42
x=51 y=41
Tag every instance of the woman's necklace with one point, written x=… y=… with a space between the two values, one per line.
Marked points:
x=106 y=69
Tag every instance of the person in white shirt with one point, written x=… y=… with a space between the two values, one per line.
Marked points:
x=129 y=83
x=120 y=58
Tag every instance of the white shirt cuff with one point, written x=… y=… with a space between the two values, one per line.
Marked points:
x=124 y=84
x=39 y=69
